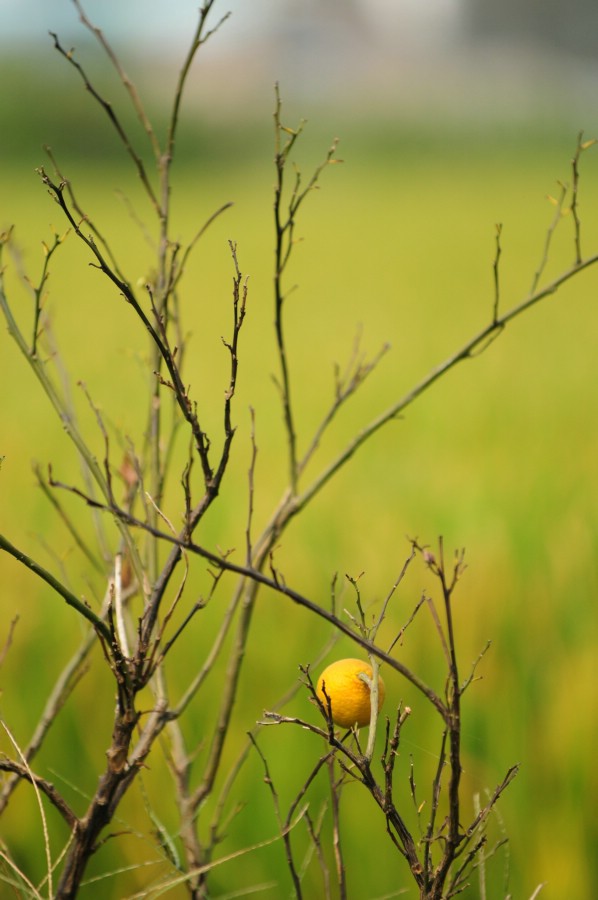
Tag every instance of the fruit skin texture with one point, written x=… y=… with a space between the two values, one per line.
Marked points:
x=349 y=695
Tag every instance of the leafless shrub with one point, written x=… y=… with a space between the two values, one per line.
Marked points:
x=144 y=556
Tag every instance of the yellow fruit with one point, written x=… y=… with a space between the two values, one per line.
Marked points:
x=348 y=693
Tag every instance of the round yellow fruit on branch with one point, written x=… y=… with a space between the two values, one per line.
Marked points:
x=346 y=684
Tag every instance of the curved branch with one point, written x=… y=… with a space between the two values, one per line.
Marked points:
x=46 y=787
x=277 y=585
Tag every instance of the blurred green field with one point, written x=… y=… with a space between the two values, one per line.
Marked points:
x=500 y=457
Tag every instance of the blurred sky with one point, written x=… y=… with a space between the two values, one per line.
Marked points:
x=456 y=57
x=155 y=20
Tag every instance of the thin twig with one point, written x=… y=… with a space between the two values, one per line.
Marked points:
x=283 y=830
x=282 y=701
x=575 y=199
x=345 y=387
x=474 y=667
x=403 y=628
x=200 y=37
x=126 y=81
x=496 y=274
x=558 y=214
x=181 y=267
x=73 y=530
x=484 y=813
x=81 y=607
x=360 y=769
x=38 y=292
x=83 y=216
x=115 y=121
x=467 y=351
x=284 y=224
x=335 y=792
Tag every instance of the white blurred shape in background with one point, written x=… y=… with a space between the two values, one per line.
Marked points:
x=470 y=58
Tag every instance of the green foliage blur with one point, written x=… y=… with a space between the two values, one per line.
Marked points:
x=499 y=458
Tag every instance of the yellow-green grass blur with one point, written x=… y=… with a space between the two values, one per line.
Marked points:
x=500 y=457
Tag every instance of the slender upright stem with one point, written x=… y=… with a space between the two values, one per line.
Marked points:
x=283 y=228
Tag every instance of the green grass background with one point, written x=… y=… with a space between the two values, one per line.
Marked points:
x=499 y=458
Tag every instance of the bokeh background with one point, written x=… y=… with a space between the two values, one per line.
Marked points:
x=454 y=115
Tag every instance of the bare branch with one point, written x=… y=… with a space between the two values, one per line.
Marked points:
x=284 y=222
x=483 y=814
x=115 y=121
x=46 y=787
x=474 y=667
x=467 y=351
x=81 y=607
x=199 y=38
x=558 y=214
x=256 y=575
x=283 y=827
x=128 y=84
x=73 y=530
x=182 y=263
x=82 y=215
